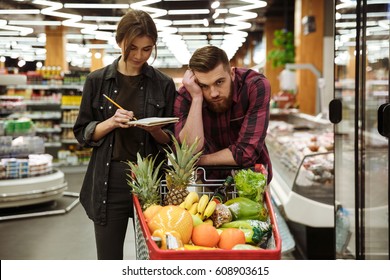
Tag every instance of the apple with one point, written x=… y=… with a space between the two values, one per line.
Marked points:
x=196 y=220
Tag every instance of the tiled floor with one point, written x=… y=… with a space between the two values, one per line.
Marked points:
x=67 y=236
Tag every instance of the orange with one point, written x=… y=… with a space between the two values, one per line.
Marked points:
x=151 y=211
x=205 y=235
x=231 y=237
x=173 y=217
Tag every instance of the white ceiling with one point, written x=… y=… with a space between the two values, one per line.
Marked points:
x=22 y=25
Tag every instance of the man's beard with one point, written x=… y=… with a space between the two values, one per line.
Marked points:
x=223 y=104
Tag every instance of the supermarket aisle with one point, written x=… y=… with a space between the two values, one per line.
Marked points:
x=67 y=236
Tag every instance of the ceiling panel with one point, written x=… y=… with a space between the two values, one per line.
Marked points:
x=179 y=34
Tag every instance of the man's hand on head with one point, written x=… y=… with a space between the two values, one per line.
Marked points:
x=191 y=85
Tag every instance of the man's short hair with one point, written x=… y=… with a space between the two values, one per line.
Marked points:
x=208 y=58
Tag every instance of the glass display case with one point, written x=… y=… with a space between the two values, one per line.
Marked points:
x=302 y=156
x=361 y=135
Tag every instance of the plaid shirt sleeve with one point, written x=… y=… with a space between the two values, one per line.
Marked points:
x=181 y=108
x=249 y=148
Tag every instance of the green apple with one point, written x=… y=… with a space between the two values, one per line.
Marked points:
x=196 y=220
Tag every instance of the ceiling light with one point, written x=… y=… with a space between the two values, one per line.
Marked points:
x=189 y=12
x=217 y=37
x=74 y=22
x=23 y=31
x=222 y=11
x=95 y=6
x=20 y=12
x=14 y=55
x=21 y=63
x=98 y=55
x=187 y=22
x=346 y=5
x=201 y=30
x=79 y=36
x=20 y=39
x=72 y=19
x=53 y=5
x=194 y=37
x=40 y=51
x=35 y=22
x=175 y=45
x=9 y=33
x=106 y=27
x=215 y=4
x=154 y=12
x=98 y=46
x=197 y=44
x=41 y=38
x=101 y=18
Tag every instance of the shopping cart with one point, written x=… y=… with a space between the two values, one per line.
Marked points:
x=147 y=249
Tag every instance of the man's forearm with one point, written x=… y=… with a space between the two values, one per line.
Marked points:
x=160 y=136
x=193 y=127
x=222 y=157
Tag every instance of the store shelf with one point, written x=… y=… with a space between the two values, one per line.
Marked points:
x=48 y=86
x=70 y=107
x=45 y=103
x=47 y=130
x=53 y=144
x=53 y=108
x=67 y=125
x=69 y=141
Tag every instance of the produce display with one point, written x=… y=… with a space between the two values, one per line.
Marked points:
x=184 y=219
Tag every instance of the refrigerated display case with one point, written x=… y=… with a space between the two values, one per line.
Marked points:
x=361 y=128
x=301 y=151
x=33 y=190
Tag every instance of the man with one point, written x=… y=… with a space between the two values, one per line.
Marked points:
x=227 y=108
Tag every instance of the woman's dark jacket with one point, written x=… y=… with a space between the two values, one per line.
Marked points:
x=160 y=93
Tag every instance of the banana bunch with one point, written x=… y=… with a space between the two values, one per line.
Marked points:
x=190 y=202
x=205 y=207
x=202 y=207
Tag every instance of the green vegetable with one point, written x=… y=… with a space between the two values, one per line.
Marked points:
x=255 y=231
x=250 y=184
x=243 y=208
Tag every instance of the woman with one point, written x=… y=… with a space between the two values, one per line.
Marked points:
x=141 y=91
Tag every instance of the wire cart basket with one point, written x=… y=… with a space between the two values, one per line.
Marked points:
x=147 y=249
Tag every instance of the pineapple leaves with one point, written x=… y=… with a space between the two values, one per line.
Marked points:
x=144 y=180
x=182 y=159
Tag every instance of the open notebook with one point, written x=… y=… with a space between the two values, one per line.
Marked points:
x=154 y=121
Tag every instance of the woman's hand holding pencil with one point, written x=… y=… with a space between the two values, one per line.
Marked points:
x=130 y=114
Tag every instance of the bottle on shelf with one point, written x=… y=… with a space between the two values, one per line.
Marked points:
x=220 y=194
x=342 y=229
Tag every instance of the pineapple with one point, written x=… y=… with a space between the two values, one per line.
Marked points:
x=144 y=180
x=183 y=163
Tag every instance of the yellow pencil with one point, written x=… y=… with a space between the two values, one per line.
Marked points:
x=116 y=104
x=113 y=102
